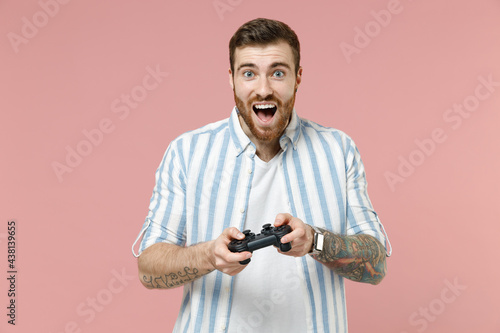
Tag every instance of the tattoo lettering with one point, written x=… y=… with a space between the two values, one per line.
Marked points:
x=173 y=279
x=359 y=257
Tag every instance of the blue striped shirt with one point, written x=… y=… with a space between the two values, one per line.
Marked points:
x=203 y=185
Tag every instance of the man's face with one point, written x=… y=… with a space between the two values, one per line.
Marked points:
x=264 y=85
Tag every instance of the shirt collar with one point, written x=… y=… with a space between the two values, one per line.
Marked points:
x=241 y=141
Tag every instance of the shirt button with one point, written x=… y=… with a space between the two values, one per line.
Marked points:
x=242 y=210
x=249 y=171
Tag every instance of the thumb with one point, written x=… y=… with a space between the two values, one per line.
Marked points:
x=282 y=218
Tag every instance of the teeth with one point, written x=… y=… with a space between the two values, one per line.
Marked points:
x=264 y=106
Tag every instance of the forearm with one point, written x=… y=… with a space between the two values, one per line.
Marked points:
x=165 y=266
x=360 y=258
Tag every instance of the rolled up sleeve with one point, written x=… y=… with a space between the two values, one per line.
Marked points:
x=166 y=218
x=361 y=217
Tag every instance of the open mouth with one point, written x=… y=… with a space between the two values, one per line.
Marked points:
x=265 y=112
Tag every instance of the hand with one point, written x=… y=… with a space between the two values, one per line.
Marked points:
x=224 y=260
x=301 y=236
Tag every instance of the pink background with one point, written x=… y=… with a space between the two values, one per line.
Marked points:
x=75 y=231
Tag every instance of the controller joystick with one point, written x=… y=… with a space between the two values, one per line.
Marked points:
x=247 y=233
x=269 y=235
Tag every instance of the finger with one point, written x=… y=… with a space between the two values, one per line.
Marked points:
x=282 y=218
x=236 y=257
x=228 y=261
x=233 y=233
x=226 y=255
x=295 y=234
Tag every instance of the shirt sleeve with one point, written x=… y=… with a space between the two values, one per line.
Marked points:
x=166 y=219
x=361 y=217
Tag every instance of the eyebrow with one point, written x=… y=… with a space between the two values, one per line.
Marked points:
x=281 y=64
x=273 y=65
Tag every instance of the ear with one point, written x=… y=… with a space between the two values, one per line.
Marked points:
x=298 y=79
x=231 y=82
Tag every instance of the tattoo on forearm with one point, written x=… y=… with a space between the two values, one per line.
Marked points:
x=359 y=257
x=173 y=279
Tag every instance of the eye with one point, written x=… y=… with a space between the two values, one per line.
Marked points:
x=247 y=74
x=279 y=74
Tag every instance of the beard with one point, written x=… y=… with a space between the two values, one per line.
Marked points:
x=282 y=117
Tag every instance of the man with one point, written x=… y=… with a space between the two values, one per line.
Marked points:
x=264 y=164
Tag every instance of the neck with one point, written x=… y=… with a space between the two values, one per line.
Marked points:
x=266 y=151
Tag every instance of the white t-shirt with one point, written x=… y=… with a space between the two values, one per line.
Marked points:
x=268 y=296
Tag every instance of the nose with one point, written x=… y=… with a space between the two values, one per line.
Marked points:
x=263 y=89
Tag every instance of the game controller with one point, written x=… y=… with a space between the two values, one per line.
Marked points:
x=269 y=235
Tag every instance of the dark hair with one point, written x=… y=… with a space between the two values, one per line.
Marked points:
x=263 y=31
